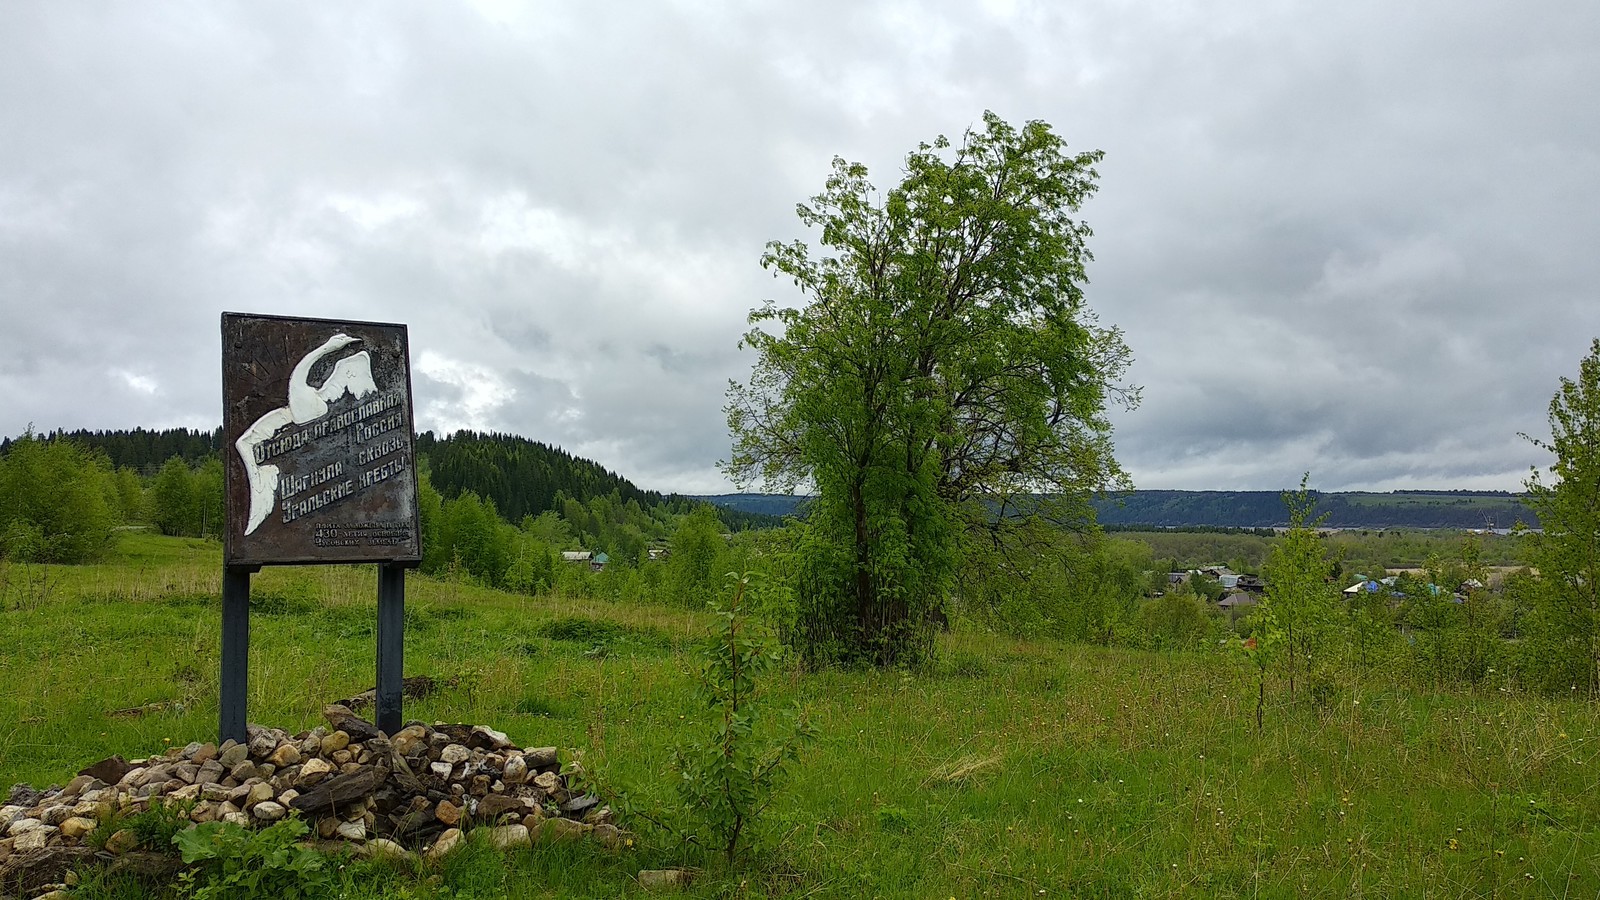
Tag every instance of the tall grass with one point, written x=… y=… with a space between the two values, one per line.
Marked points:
x=1009 y=768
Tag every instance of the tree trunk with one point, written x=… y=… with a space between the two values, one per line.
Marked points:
x=865 y=601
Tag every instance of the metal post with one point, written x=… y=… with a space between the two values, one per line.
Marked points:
x=391 y=645
x=235 y=652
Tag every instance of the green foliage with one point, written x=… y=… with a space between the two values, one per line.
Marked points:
x=155 y=826
x=1294 y=625
x=1176 y=620
x=158 y=825
x=1567 y=552
x=1036 y=580
x=186 y=501
x=988 y=754
x=53 y=502
x=944 y=367
x=728 y=777
x=696 y=547
x=236 y=862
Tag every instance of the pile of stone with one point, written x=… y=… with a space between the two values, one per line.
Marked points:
x=413 y=791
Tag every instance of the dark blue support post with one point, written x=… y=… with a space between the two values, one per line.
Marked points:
x=235 y=652
x=391 y=645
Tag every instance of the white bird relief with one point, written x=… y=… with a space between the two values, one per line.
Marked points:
x=306 y=404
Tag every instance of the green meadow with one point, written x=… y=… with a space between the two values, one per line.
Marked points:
x=1007 y=768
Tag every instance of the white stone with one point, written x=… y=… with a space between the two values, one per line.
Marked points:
x=497 y=739
x=314 y=770
x=507 y=837
x=55 y=815
x=447 y=841
x=516 y=771
x=268 y=811
x=455 y=753
x=352 y=831
x=34 y=839
x=386 y=849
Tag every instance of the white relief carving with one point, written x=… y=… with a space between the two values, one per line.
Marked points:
x=306 y=404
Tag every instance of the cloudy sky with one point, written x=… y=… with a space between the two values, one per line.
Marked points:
x=1359 y=238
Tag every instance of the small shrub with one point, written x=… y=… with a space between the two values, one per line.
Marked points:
x=235 y=862
x=728 y=778
x=157 y=826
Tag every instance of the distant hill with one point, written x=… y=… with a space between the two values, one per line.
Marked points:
x=523 y=477
x=1264 y=509
x=776 y=505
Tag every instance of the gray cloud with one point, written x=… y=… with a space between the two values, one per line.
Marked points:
x=1353 y=239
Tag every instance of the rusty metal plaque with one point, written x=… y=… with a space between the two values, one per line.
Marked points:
x=317 y=442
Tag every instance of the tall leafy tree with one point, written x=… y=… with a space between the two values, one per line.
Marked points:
x=1567 y=552
x=174 y=499
x=696 y=547
x=943 y=373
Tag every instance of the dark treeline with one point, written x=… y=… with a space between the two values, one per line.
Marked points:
x=522 y=477
x=525 y=478
x=143 y=450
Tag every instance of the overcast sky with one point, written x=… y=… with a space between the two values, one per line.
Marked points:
x=1360 y=239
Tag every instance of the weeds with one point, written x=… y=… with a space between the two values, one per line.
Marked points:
x=235 y=862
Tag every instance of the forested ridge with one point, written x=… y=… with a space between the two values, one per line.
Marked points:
x=144 y=450
x=1262 y=509
x=1353 y=509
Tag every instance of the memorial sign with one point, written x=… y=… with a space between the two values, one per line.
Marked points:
x=317 y=442
x=319 y=467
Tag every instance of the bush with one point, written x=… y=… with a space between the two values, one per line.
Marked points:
x=729 y=775
x=1177 y=620
x=53 y=505
x=235 y=862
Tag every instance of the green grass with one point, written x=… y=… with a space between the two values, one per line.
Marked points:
x=1010 y=768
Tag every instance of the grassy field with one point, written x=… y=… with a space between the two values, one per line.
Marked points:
x=1012 y=768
